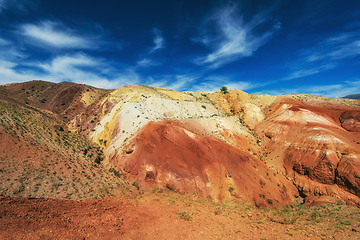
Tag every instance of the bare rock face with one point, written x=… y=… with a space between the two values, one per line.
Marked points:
x=310 y=147
x=350 y=120
x=167 y=155
x=251 y=115
x=348 y=173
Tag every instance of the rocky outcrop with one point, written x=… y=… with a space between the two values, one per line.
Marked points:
x=313 y=150
x=350 y=120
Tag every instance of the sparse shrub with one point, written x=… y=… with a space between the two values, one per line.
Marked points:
x=20 y=189
x=170 y=188
x=185 y=215
x=98 y=159
x=231 y=189
x=314 y=217
x=157 y=190
x=136 y=185
x=217 y=211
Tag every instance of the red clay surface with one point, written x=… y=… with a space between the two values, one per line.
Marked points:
x=161 y=216
x=165 y=154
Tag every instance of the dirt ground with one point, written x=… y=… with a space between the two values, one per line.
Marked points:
x=168 y=215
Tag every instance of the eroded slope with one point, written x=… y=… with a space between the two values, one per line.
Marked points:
x=167 y=155
x=41 y=158
x=308 y=145
x=265 y=149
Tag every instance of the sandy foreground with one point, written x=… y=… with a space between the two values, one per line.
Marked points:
x=167 y=215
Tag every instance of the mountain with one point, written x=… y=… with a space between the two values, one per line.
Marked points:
x=353 y=96
x=85 y=142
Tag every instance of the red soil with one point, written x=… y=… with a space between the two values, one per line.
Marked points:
x=161 y=216
x=165 y=154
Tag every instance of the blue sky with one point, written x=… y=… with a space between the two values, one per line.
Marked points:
x=258 y=46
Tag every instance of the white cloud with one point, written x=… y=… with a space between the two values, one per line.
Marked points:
x=234 y=37
x=2 y=5
x=18 y=6
x=9 y=59
x=8 y=50
x=54 y=34
x=181 y=81
x=244 y=86
x=326 y=55
x=299 y=73
x=331 y=90
x=146 y=62
x=128 y=77
x=62 y=63
x=9 y=75
x=175 y=82
x=342 y=46
x=158 y=41
x=214 y=82
x=4 y=42
x=81 y=68
x=78 y=68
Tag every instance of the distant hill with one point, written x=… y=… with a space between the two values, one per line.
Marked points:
x=353 y=96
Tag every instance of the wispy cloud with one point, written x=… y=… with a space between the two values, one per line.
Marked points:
x=306 y=71
x=234 y=37
x=332 y=90
x=18 y=6
x=8 y=51
x=146 y=62
x=9 y=75
x=69 y=62
x=178 y=82
x=82 y=68
x=54 y=34
x=78 y=67
x=2 y=5
x=4 y=42
x=342 y=46
x=214 y=82
x=326 y=55
x=159 y=41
